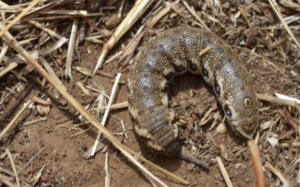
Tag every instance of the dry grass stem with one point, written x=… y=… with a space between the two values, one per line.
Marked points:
x=151 y=22
x=44 y=28
x=30 y=161
x=12 y=122
x=50 y=71
x=108 y=175
x=204 y=51
x=68 y=70
x=99 y=91
x=206 y=115
x=101 y=145
x=83 y=89
x=85 y=71
x=113 y=106
x=111 y=98
x=79 y=133
x=19 y=17
x=276 y=172
x=10 y=67
x=38 y=175
x=131 y=47
x=56 y=45
x=278 y=101
x=4 y=49
x=255 y=157
x=275 y=8
x=244 y=14
x=192 y=11
x=4 y=179
x=137 y=10
x=292 y=121
x=13 y=167
x=123 y=127
x=224 y=172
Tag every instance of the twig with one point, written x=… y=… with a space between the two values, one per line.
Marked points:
x=113 y=106
x=18 y=18
x=29 y=162
x=111 y=98
x=123 y=127
x=6 y=181
x=151 y=22
x=35 y=121
x=16 y=103
x=107 y=176
x=278 y=100
x=224 y=172
x=138 y=9
x=80 y=132
x=68 y=70
x=44 y=28
x=195 y=15
x=255 y=157
x=13 y=166
x=41 y=101
x=274 y=5
x=50 y=70
x=294 y=123
x=14 y=120
x=7 y=69
x=276 y=172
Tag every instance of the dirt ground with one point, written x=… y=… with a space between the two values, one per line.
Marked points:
x=265 y=47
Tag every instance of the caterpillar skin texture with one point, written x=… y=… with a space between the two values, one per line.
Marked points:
x=175 y=52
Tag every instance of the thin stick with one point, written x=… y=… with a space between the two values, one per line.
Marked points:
x=224 y=172
x=7 y=69
x=5 y=180
x=44 y=28
x=111 y=98
x=276 y=172
x=68 y=70
x=273 y=4
x=10 y=125
x=27 y=164
x=9 y=38
x=138 y=9
x=18 y=18
x=278 y=100
x=195 y=15
x=35 y=121
x=20 y=98
x=107 y=176
x=50 y=70
x=255 y=157
x=13 y=166
x=113 y=106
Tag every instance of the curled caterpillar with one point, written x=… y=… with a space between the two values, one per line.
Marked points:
x=175 y=52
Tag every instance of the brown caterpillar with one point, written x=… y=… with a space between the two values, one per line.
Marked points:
x=175 y=52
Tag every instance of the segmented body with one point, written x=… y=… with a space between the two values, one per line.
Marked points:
x=175 y=52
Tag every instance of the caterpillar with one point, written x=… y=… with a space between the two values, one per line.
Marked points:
x=175 y=52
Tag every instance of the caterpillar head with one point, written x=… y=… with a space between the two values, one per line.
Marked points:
x=241 y=112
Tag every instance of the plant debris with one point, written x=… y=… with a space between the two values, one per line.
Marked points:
x=52 y=144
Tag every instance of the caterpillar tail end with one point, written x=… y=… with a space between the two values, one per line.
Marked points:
x=184 y=154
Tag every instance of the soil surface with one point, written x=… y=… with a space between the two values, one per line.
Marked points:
x=272 y=69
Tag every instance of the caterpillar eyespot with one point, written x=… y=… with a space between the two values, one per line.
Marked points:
x=247 y=102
